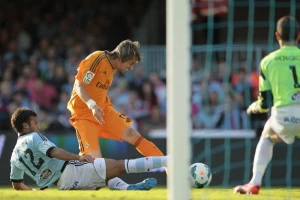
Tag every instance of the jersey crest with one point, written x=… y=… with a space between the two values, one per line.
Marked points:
x=88 y=77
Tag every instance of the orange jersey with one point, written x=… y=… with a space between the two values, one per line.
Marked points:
x=96 y=73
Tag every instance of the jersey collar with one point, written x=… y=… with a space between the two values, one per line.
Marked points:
x=289 y=46
x=22 y=134
x=105 y=52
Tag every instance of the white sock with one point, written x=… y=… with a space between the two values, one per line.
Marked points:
x=117 y=184
x=263 y=155
x=145 y=164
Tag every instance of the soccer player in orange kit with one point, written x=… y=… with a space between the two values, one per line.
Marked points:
x=93 y=115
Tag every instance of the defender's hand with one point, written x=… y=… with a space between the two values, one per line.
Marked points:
x=98 y=114
x=86 y=158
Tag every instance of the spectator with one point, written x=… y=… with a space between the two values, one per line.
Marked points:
x=240 y=82
x=8 y=76
x=47 y=27
x=196 y=71
x=136 y=83
x=71 y=64
x=40 y=48
x=148 y=95
x=59 y=77
x=156 y=120
x=13 y=52
x=136 y=108
x=20 y=99
x=212 y=114
x=68 y=86
x=44 y=120
x=20 y=86
x=223 y=74
x=6 y=92
x=234 y=117
x=48 y=62
x=5 y=97
x=43 y=94
x=254 y=82
x=160 y=90
x=41 y=51
x=120 y=94
x=23 y=39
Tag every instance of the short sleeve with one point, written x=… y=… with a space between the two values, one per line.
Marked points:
x=88 y=67
x=264 y=83
x=265 y=93
x=42 y=143
x=16 y=175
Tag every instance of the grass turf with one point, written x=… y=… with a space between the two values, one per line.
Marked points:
x=154 y=194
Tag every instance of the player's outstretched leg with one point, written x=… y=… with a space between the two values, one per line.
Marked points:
x=145 y=164
x=147 y=148
x=263 y=155
x=247 y=189
x=115 y=168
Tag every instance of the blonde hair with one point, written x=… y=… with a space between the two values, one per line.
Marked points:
x=127 y=50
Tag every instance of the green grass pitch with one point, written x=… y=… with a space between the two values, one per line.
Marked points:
x=154 y=194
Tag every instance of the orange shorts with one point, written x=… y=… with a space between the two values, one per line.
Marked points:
x=88 y=131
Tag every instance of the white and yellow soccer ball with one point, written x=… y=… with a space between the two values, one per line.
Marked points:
x=200 y=175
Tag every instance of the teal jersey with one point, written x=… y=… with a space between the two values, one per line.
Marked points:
x=30 y=155
x=279 y=78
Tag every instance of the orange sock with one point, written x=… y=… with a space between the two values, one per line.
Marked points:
x=146 y=148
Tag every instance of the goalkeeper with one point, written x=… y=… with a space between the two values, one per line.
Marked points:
x=279 y=88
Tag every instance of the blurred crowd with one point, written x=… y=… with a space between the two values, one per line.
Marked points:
x=43 y=42
x=221 y=95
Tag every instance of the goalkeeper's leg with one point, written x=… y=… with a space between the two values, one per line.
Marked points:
x=263 y=155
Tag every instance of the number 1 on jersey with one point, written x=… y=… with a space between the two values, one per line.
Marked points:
x=296 y=83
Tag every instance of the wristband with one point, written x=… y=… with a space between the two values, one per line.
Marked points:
x=90 y=103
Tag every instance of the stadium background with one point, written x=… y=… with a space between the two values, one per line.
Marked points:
x=42 y=43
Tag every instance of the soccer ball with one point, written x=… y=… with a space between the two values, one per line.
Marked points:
x=200 y=175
